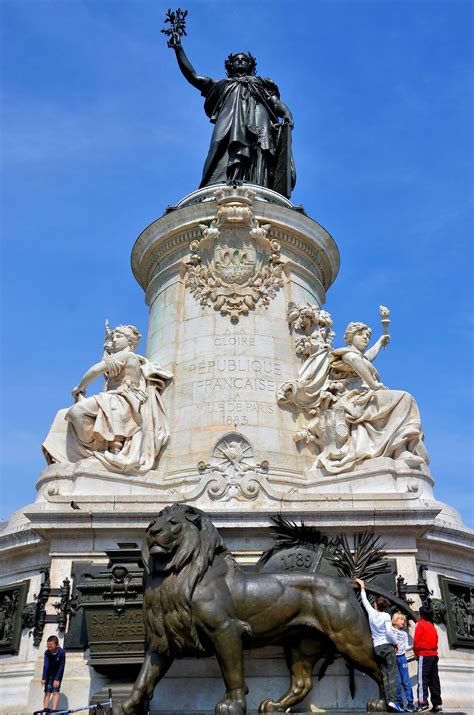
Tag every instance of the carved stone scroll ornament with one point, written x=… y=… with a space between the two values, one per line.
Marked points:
x=354 y=417
x=233 y=470
x=235 y=266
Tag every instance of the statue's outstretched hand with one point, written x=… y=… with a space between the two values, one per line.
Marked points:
x=176 y=22
x=175 y=41
x=385 y=339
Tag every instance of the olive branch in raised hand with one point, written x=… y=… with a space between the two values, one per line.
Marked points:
x=177 y=26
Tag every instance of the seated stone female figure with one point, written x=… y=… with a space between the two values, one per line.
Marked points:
x=124 y=427
x=355 y=417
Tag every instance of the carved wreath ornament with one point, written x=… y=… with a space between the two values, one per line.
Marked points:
x=233 y=470
x=234 y=266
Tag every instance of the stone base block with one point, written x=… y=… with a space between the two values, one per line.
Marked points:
x=193 y=686
x=15 y=682
x=86 y=477
x=382 y=475
x=264 y=490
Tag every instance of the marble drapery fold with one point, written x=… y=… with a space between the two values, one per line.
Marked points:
x=351 y=421
x=245 y=140
x=132 y=412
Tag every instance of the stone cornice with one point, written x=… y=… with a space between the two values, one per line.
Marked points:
x=173 y=232
x=93 y=512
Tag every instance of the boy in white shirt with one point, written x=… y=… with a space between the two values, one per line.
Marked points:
x=385 y=644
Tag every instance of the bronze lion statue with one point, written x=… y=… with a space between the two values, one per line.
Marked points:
x=197 y=602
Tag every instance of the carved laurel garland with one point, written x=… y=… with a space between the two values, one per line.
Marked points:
x=235 y=265
x=233 y=470
x=164 y=252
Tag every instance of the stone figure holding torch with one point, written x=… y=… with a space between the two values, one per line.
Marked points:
x=385 y=320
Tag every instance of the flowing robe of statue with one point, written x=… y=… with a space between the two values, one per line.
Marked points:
x=247 y=142
x=352 y=422
x=132 y=412
x=381 y=423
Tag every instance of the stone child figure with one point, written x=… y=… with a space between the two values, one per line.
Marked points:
x=248 y=143
x=124 y=427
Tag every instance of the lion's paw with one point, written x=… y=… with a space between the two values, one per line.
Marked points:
x=270 y=706
x=230 y=707
x=377 y=705
x=133 y=706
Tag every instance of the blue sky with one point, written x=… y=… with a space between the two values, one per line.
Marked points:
x=100 y=132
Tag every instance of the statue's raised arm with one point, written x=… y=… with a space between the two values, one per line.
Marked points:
x=177 y=22
x=188 y=70
x=249 y=142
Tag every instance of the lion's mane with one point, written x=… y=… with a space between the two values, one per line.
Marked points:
x=169 y=587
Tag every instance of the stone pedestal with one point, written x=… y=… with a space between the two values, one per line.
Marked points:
x=219 y=271
x=257 y=254
x=415 y=530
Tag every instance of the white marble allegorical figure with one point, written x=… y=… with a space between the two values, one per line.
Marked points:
x=354 y=416
x=124 y=427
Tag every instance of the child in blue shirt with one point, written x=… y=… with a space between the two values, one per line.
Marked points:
x=53 y=671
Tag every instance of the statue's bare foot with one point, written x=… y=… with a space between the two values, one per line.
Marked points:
x=270 y=706
x=410 y=459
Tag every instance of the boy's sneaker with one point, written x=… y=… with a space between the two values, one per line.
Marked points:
x=436 y=709
x=394 y=708
x=410 y=708
x=422 y=706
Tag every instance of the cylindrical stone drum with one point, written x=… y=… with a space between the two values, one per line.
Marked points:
x=219 y=271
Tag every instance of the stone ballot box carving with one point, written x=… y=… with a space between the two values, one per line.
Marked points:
x=111 y=611
x=233 y=472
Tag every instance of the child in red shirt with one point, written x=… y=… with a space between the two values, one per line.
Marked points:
x=425 y=648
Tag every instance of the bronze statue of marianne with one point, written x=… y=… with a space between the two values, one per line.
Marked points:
x=248 y=143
